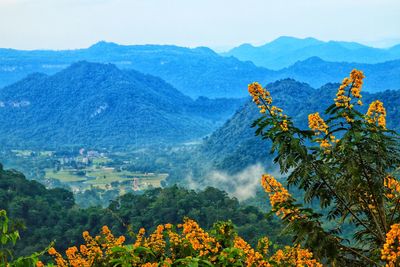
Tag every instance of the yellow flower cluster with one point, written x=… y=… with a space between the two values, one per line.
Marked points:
x=391 y=249
x=318 y=125
x=87 y=254
x=139 y=237
x=263 y=245
x=295 y=256
x=263 y=99
x=354 y=82
x=253 y=258
x=156 y=240
x=188 y=242
x=279 y=198
x=393 y=185
x=199 y=239
x=284 y=125
x=377 y=113
x=357 y=78
x=60 y=262
x=260 y=96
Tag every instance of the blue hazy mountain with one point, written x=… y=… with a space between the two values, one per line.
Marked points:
x=100 y=105
x=194 y=72
x=200 y=71
x=317 y=72
x=285 y=51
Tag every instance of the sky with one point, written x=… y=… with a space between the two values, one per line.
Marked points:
x=219 y=24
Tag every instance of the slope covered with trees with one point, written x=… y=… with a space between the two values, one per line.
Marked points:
x=100 y=105
x=234 y=146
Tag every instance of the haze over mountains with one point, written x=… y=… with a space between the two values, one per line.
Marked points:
x=202 y=72
x=286 y=51
x=102 y=106
x=317 y=72
x=194 y=72
x=115 y=105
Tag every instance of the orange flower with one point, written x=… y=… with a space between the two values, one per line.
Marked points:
x=317 y=124
x=391 y=249
x=354 y=82
x=377 y=114
x=279 y=198
x=52 y=251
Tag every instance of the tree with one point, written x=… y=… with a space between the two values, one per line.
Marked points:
x=8 y=239
x=348 y=163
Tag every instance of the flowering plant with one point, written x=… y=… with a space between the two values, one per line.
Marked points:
x=347 y=162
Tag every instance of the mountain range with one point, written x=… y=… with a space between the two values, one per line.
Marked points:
x=195 y=72
x=317 y=72
x=202 y=72
x=102 y=106
x=285 y=51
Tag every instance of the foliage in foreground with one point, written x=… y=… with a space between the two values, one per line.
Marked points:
x=182 y=245
x=8 y=238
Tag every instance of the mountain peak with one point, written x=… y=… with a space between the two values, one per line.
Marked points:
x=310 y=60
x=103 y=45
x=204 y=50
x=288 y=40
x=86 y=66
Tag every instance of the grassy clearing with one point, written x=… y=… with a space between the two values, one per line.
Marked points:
x=97 y=161
x=65 y=176
x=105 y=176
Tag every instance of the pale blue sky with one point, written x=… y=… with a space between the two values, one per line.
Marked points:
x=60 y=24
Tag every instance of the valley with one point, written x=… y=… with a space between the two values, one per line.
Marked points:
x=146 y=136
x=96 y=177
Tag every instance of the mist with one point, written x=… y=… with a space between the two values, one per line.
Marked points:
x=242 y=185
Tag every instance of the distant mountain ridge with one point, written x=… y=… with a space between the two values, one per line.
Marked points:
x=200 y=71
x=102 y=106
x=317 y=72
x=285 y=51
x=195 y=72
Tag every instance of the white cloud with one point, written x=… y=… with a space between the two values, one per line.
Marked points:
x=242 y=185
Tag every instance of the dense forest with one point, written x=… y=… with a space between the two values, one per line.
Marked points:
x=46 y=215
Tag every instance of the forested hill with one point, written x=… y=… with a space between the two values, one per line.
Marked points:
x=100 y=105
x=285 y=51
x=52 y=215
x=234 y=146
